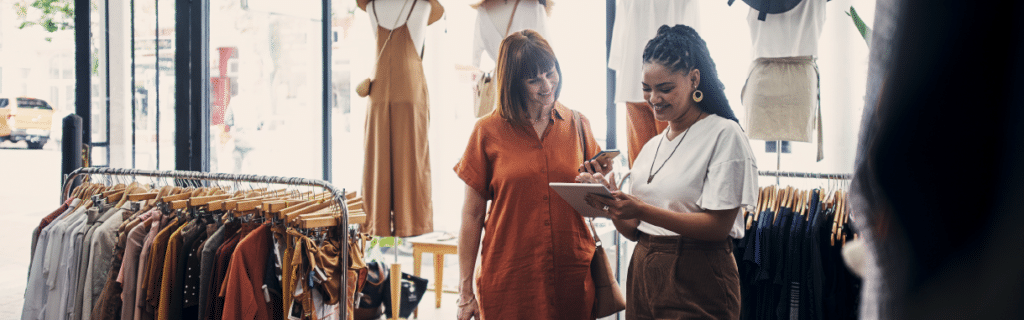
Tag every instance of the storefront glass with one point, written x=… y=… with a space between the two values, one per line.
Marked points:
x=266 y=81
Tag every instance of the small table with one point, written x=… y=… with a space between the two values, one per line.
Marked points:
x=438 y=248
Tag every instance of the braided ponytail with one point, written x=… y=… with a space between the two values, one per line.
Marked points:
x=680 y=48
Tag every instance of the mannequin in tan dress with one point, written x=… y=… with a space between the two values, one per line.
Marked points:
x=396 y=177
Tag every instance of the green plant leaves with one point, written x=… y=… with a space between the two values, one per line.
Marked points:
x=865 y=31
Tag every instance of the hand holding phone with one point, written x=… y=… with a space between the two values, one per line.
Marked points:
x=605 y=156
x=600 y=163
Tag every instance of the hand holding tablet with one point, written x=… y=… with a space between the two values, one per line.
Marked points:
x=575 y=194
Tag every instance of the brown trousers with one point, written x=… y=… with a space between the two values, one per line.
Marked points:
x=682 y=278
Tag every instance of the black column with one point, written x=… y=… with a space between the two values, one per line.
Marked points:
x=71 y=147
x=328 y=37
x=83 y=67
x=192 y=76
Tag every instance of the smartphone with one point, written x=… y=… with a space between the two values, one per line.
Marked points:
x=605 y=155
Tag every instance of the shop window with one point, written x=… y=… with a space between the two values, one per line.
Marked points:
x=773 y=147
x=266 y=91
x=54 y=95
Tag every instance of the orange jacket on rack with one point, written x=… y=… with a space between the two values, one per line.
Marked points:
x=243 y=297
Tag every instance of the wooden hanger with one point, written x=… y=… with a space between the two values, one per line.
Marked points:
x=318 y=222
x=122 y=198
x=769 y=193
x=283 y=213
x=289 y=217
x=176 y=197
x=780 y=202
x=804 y=198
x=143 y=196
x=204 y=200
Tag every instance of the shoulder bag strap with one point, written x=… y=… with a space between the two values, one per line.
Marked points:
x=582 y=135
x=583 y=143
x=513 y=17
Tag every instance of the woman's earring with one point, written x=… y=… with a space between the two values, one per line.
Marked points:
x=698 y=96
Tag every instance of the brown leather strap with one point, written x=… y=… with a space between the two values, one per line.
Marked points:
x=410 y=11
x=597 y=240
x=513 y=17
x=583 y=143
x=579 y=129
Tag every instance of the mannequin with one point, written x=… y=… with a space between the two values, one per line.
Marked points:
x=392 y=15
x=636 y=22
x=396 y=178
x=781 y=91
x=529 y=14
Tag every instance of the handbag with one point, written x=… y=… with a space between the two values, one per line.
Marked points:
x=486 y=89
x=608 y=297
x=370 y=299
x=413 y=289
x=357 y=272
x=485 y=93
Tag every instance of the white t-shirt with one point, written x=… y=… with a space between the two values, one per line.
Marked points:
x=792 y=33
x=488 y=35
x=636 y=23
x=713 y=169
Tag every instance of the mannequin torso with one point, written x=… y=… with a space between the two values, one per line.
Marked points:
x=493 y=19
x=391 y=14
x=500 y=12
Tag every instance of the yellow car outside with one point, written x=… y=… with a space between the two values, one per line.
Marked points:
x=26 y=119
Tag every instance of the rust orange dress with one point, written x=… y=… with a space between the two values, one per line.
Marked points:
x=536 y=251
x=641 y=126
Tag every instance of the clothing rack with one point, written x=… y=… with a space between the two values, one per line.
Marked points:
x=339 y=195
x=789 y=174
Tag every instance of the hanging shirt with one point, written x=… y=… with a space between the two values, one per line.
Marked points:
x=57 y=300
x=713 y=169
x=636 y=23
x=793 y=33
x=101 y=248
x=243 y=296
x=130 y=265
x=36 y=288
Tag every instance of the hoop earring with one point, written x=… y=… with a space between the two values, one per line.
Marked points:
x=698 y=96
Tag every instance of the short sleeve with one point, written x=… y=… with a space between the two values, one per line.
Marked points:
x=731 y=180
x=475 y=167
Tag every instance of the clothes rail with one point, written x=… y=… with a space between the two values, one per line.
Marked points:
x=788 y=174
x=339 y=195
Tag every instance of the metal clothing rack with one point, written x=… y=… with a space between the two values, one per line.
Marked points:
x=790 y=174
x=339 y=195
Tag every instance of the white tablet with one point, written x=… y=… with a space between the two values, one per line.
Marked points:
x=575 y=194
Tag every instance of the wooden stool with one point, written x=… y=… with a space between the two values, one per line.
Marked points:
x=439 y=249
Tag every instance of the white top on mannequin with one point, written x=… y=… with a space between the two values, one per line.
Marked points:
x=792 y=33
x=636 y=23
x=392 y=15
x=492 y=19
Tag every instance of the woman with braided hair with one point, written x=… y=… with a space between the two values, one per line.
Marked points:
x=688 y=186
